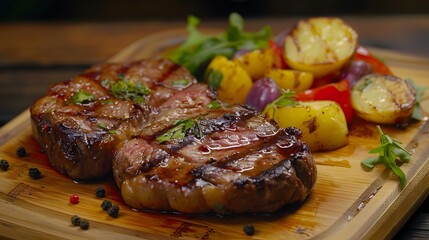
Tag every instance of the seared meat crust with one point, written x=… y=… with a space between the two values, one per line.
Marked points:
x=80 y=137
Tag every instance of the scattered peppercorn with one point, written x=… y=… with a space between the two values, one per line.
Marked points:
x=249 y=229
x=113 y=211
x=34 y=173
x=84 y=224
x=106 y=205
x=21 y=152
x=100 y=192
x=74 y=199
x=75 y=220
x=4 y=164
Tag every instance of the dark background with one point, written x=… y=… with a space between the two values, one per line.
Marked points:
x=126 y=10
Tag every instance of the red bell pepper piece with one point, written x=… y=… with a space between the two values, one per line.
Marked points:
x=338 y=92
x=377 y=65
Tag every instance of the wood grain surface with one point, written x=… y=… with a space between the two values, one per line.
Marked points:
x=347 y=201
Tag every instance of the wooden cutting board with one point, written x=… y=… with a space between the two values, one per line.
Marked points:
x=347 y=202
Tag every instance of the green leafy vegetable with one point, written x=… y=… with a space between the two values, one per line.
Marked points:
x=388 y=153
x=417 y=113
x=127 y=90
x=199 y=48
x=180 y=129
x=286 y=99
x=214 y=104
x=82 y=97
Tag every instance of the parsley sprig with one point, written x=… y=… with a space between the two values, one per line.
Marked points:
x=389 y=152
x=128 y=90
x=82 y=97
x=180 y=129
x=286 y=99
x=199 y=48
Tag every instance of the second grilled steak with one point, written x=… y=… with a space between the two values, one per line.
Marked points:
x=200 y=159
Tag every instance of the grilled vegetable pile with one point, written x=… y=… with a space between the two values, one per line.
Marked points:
x=316 y=78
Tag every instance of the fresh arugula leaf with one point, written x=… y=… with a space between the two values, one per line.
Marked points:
x=417 y=113
x=198 y=49
x=180 y=129
x=214 y=78
x=389 y=152
x=82 y=97
x=285 y=99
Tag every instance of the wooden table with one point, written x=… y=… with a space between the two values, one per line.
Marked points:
x=35 y=55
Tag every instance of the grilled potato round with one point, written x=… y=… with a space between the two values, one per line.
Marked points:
x=383 y=99
x=320 y=45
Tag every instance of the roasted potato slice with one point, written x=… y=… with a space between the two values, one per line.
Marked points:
x=322 y=123
x=320 y=45
x=383 y=99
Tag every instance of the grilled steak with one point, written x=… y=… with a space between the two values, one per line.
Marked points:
x=195 y=159
x=80 y=121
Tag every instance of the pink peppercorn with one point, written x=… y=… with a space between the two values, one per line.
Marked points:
x=74 y=199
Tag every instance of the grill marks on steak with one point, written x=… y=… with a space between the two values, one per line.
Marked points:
x=80 y=138
x=233 y=160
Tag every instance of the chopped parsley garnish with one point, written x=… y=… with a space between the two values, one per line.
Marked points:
x=199 y=48
x=417 y=113
x=128 y=90
x=104 y=127
x=180 y=129
x=180 y=83
x=214 y=104
x=82 y=97
x=389 y=152
x=285 y=99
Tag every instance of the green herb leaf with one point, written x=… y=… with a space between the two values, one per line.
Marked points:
x=127 y=90
x=182 y=82
x=104 y=127
x=180 y=129
x=214 y=104
x=82 y=97
x=417 y=113
x=214 y=78
x=199 y=49
x=286 y=99
x=389 y=152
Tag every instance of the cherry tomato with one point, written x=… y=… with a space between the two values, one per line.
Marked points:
x=377 y=65
x=74 y=199
x=338 y=92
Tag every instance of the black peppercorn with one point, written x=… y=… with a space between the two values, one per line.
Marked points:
x=4 y=164
x=75 y=220
x=84 y=224
x=249 y=229
x=113 y=211
x=106 y=205
x=34 y=173
x=21 y=152
x=100 y=192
